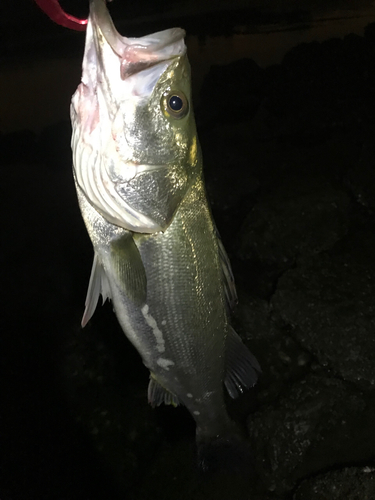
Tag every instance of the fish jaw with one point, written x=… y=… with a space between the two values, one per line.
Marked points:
x=121 y=139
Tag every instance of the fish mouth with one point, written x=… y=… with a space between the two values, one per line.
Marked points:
x=136 y=54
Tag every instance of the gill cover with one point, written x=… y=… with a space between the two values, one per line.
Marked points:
x=128 y=156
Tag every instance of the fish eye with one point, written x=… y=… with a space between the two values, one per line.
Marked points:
x=174 y=104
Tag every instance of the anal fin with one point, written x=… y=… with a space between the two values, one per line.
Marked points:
x=98 y=284
x=242 y=367
x=157 y=394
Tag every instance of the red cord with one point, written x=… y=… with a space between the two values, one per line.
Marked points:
x=54 y=11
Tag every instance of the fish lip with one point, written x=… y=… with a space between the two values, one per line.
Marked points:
x=141 y=46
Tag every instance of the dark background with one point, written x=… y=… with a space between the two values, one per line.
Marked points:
x=287 y=138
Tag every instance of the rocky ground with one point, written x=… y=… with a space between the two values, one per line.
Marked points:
x=289 y=161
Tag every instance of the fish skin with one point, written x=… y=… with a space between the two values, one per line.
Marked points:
x=139 y=181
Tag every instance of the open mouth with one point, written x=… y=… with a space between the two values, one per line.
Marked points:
x=136 y=54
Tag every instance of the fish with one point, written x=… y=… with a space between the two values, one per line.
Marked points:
x=158 y=256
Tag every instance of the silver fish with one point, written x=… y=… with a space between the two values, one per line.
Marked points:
x=158 y=255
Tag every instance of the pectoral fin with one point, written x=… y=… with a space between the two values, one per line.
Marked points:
x=127 y=268
x=242 y=368
x=158 y=395
x=98 y=284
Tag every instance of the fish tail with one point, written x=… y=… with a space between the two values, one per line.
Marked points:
x=230 y=453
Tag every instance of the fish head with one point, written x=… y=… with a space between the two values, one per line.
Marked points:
x=135 y=148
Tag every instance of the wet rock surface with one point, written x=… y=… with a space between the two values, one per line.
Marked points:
x=291 y=182
x=351 y=483
x=311 y=427
x=361 y=177
x=328 y=302
x=299 y=217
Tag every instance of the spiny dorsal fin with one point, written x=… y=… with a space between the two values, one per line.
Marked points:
x=98 y=284
x=242 y=368
x=128 y=269
x=158 y=395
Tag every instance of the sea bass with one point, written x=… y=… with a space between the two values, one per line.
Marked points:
x=157 y=253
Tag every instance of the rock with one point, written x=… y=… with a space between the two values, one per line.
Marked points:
x=231 y=92
x=231 y=184
x=254 y=316
x=321 y=89
x=354 y=483
x=108 y=397
x=361 y=177
x=281 y=358
x=308 y=429
x=328 y=300
x=369 y=33
x=299 y=217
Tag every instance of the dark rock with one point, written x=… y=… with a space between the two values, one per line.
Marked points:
x=329 y=72
x=328 y=300
x=231 y=92
x=309 y=124
x=254 y=317
x=108 y=397
x=228 y=180
x=282 y=359
x=354 y=483
x=361 y=177
x=297 y=81
x=173 y=475
x=300 y=217
x=304 y=57
x=321 y=89
x=369 y=33
x=308 y=429
x=231 y=184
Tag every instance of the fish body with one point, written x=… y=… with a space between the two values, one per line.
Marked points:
x=158 y=255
